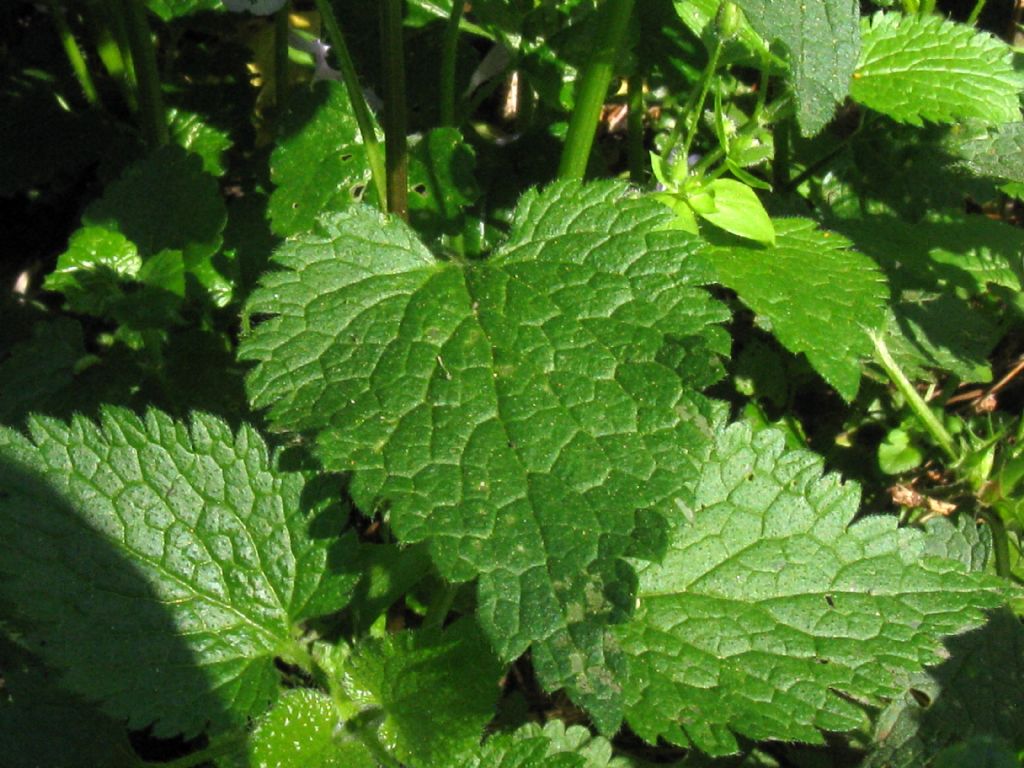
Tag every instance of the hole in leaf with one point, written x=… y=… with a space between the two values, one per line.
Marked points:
x=823 y=662
x=420 y=189
x=830 y=601
x=346 y=157
x=357 y=191
x=294 y=206
x=923 y=699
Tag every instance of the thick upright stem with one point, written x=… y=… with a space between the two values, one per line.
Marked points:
x=394 y=107
x=448 y=54
x=593 y=88
x=374 y=155
x=151 y=102
x=74 y=53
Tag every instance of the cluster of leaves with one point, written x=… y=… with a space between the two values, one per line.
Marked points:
x=547 y=473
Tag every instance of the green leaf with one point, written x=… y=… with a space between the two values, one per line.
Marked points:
x=996 y=152
x=175 y=9
x=437 y=690
x=522 y=414
x=978 y=752
x=161 y=567
x=773 y=617
x=819 y=296
x=966 y=541
x=977 y=693
x=201 y=138
x=823 y=41
x=553 y=745
x=102 y=274
x=303 y=730
x=42 y=725
x=916 y=68
x=166 y=202
x=738 y=210
x=320 y=162
x=897 y=454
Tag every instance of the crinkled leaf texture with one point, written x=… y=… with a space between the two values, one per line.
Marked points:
x=819 y=295
x=522 y=414
x=917 y=68
x=436 y=690
x=553 y=746
x=773 y=617
x=161 y=566
x=823 y=40
x=997 y=152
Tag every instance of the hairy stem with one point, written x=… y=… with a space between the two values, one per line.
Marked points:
x=396 y=150
x=693 y=113
x=74 y=53
x=151 y=103
x=917 y=404
x=593 y=88
x=448 y=54
x=374 y=155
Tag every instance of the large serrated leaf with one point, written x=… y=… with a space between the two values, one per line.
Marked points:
x=820 y=296
x=161 y=567
x=772 y=616
x=517 y=413
x=917 y=68
x=823 y=41
x=436 y=691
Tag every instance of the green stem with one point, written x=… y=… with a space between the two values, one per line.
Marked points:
x=281 y=76
x=594 y=88
x=448 y=55
x=151 y=103
x=374 y=155
x=396 y=150
x=762 y=115
x=222 y=747
x=692 y=116
x=635 y=129
x=976 y=12
x=917 y=404
x=107 y=23
x=74 y=53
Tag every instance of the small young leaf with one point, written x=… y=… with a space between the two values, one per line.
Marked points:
x=517 y=413
x=819 y=295
x=897 y=454
x=823 y=40
x=554 y=745
x=916 y=68
x=738 y=210
x=769 y=593
x=200 y=138
x=161 y=567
